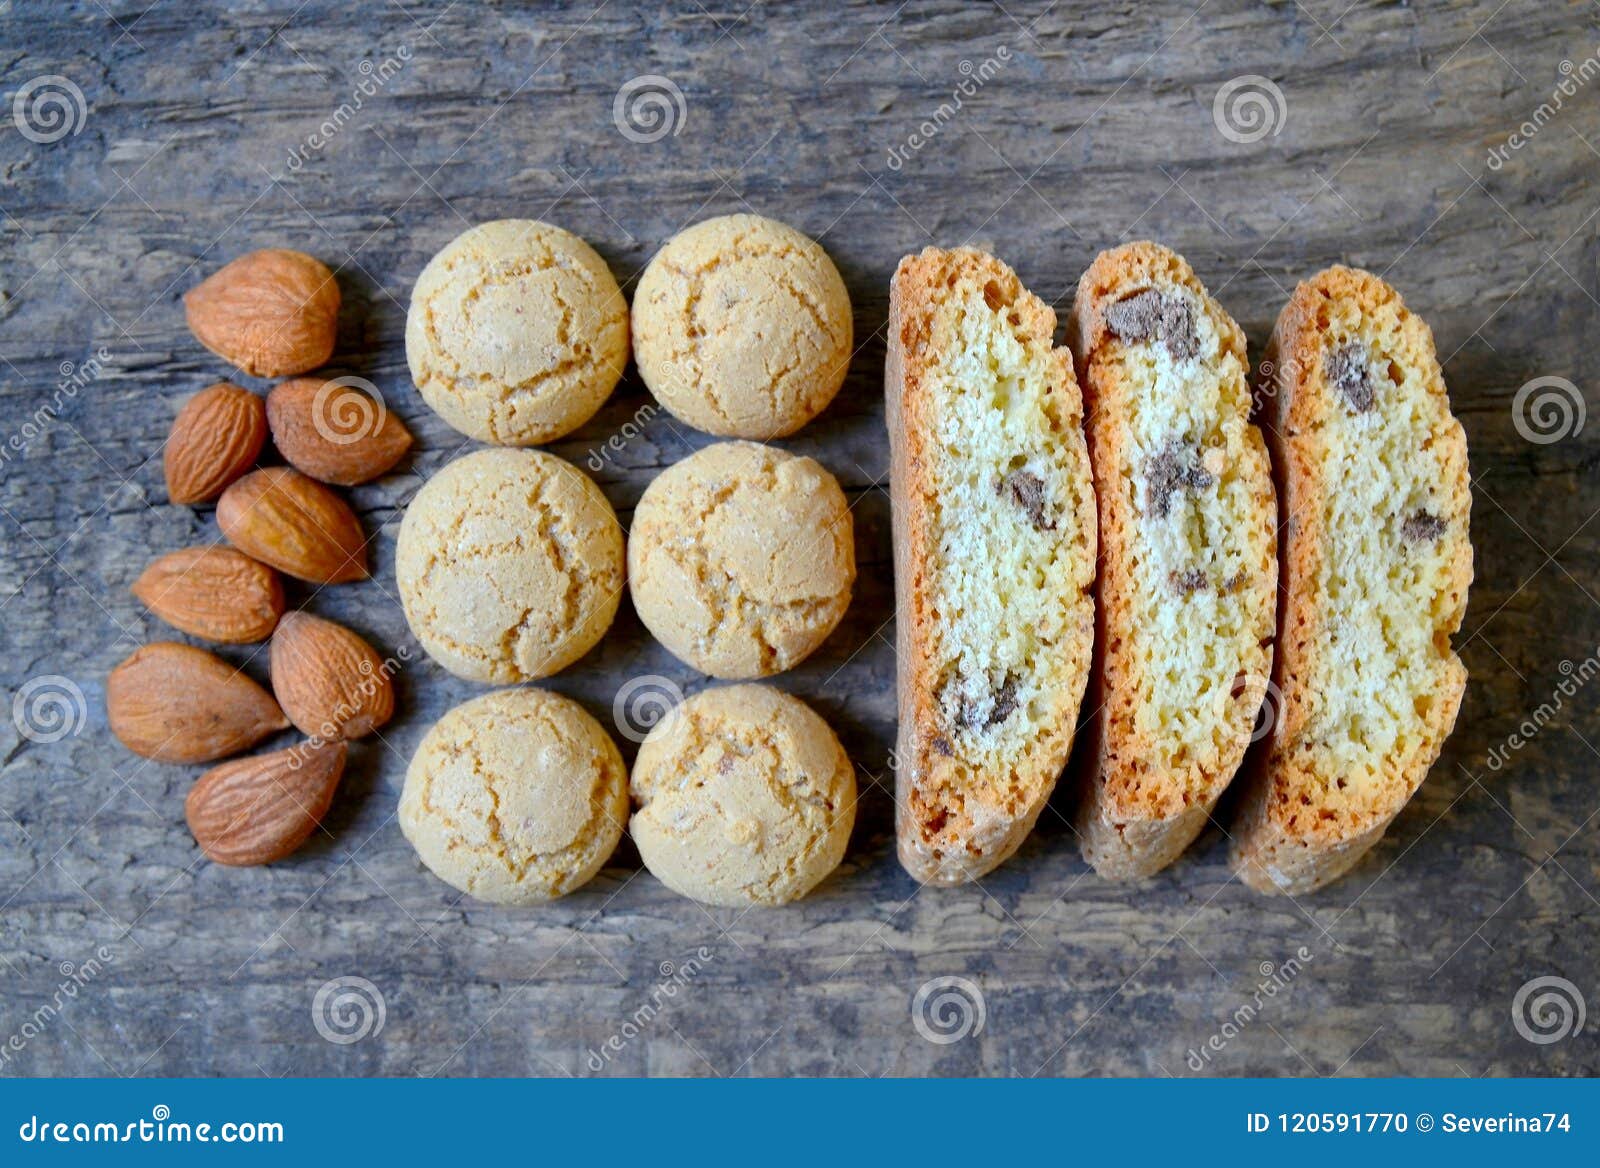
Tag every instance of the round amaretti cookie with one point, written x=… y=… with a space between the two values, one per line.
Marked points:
x=744 y=797
x=741 y=559
x=515 y=797
x=509 y=565
x=517 y=332
x=742 y=327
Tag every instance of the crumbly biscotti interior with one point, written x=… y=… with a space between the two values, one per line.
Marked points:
x=1008 y=568
x=1387 y=590
x=1190 y=623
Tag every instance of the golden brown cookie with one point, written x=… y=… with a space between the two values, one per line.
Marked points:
x=1188 y=567
x=994 y=553
x=1375 y=563
x=510 y=565
x=517 y=332
x=744 y=797
x=741 y=559
x=515 y=797
x=742 y=327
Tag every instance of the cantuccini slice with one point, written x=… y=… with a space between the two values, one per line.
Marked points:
x=1375 y=565
x=994 y=537
x=1187 y=555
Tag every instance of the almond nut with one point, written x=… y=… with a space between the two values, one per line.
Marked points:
x=214 y=439
x=177 y=703
x=335 y=431
x=272 y=313
x=331 y=682
x=213 y=592
x=260 y=809
x=294 y=523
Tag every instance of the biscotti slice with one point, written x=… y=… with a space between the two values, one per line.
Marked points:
x=1376 y=560
x=994 y=543
x=1188 y=566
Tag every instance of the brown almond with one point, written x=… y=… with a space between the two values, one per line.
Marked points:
x=214 y=439
x=213 y=592
x=177 y=703
x=272 y=313
x=294 y=523
x=260 y=809
x=331 y=682
x=335 y=431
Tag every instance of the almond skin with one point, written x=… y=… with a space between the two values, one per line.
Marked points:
x=282 y=518
x=272 y=313
x=176 y=703
x=213 y=592
x=331 y=682
x=214 y=439
x=260 y=809
x=334 y=431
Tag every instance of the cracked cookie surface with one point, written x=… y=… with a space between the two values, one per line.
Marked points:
x=509 y=565
x=517 y=332
x=744 y=797
x=741 y=559
x=515 y=797
x=742 y=327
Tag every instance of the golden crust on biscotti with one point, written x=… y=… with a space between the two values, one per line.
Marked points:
x=1351 y=384
x=1188 y=563
x=977 y=756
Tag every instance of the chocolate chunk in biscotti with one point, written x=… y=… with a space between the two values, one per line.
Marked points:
x=1026 y=490
x=1152 y=315
x=1187 y=580
x=1350 y=373
x=1174 y=469
x=984 y=711
x=1423 y=527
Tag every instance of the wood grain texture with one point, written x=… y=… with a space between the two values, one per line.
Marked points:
x=1095 y=126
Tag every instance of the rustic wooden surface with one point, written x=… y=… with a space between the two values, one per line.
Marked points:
x=1097 y=127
